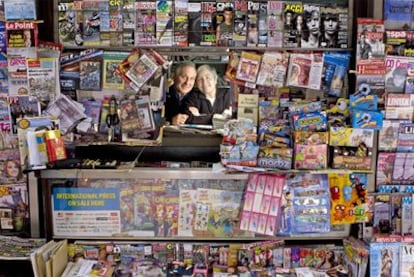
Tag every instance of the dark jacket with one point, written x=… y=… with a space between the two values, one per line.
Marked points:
x=173 y=104
x=199 y=100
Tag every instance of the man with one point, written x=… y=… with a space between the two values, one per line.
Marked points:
x=311 y=34
x=224 y=32
x=330 y=34
x=184 y=79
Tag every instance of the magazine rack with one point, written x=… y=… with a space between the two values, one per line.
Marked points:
x=76 y=198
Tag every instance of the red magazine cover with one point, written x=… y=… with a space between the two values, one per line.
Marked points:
x=22 y=38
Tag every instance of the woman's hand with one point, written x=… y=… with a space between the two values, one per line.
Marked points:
x=194 y=111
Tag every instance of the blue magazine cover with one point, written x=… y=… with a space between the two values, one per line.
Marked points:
x=397 y=14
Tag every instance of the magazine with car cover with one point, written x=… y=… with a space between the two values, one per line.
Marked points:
x=398 y=15
x=273 y=69
x=142 y=70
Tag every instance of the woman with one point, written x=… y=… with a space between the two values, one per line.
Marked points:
x=12 y=169
x=203 y=105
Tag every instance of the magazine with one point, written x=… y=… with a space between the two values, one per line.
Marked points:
x=395 y=77
x=90 y=75
x=43 y=78
x=293 y=14
x=146 y=22
x=240 y=23
x=248 y=67
x=406 y=262
x=253 y=8
x=22 y=39
x=370 y=40
x=274 y=23
x=165 y=22
x=181 y=23
x=305 y=70
x=397 y=14
x=273 y=69
x=194 y=26
x=141 y=71
x=208 y=10
x=17 y=70
x=384 y=258
x=16 y=10
x=111 y=61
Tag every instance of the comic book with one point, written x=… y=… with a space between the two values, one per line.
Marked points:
x=22 y=39
x=90 y=75
x=43 y=78
x=208 y=11
x=141 y=71
x=384 y=258
x=248 y=67
x=144 y=217
x=395 y=78
x=305 y=70
x=273 y=69
x=186 y=212
x=292 y=10
x=194 y=26
x=253 y=8
x=397 y=15
x=17 y=71
x=181 y=23
x=240 y=23
x=145 y=23
x=165 y=22
x=274 y=23
x=111 y=61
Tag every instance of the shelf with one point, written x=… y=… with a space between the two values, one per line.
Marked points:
x=206 y=50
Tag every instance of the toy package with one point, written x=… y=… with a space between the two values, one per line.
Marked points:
x=367 y=119
x=305 y=205
x=345 y=136
x=348 y=197
x=311 y=156
x=315 y=121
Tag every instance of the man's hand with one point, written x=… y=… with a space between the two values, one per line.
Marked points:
x=179 y=119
